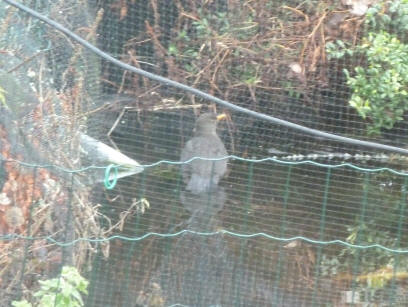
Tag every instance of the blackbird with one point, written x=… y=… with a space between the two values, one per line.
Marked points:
x=202 y=175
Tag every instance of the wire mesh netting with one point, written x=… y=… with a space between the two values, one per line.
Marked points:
x=120 y=174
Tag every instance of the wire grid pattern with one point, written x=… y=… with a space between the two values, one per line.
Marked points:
x=56 y=89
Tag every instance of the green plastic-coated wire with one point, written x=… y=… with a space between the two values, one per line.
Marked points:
x=402 y=216
x=10 y=237
x=362 y=218
x=282 y=233
x=321 y=233
x=110 y=184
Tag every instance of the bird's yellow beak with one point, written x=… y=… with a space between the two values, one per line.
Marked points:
x=221 y=116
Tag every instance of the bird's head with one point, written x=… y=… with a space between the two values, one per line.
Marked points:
x=206 y=124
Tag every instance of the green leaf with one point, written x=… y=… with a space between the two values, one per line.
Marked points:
x=23 y=303
x=173 y=50
x=3 y=98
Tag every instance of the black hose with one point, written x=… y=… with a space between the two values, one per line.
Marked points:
x=202 y=94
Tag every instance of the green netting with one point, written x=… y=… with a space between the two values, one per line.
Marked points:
x=91 y=177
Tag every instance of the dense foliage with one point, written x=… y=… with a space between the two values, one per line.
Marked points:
x=380 y=84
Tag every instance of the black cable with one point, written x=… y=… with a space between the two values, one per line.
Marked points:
x=203 y=94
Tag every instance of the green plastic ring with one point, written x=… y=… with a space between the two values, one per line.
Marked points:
x=110 y=184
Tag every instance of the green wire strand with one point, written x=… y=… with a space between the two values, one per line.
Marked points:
x=403 y=205
x=242 y=250
x=321 y=232
x=28 y=243
x=358 y=238
x=232 y=157
x=110 y=184
x=282 y=233
x=10 y=237
x=133 y=250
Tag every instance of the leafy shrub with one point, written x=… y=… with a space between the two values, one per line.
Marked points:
x=64 y=291
x=380 y=86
